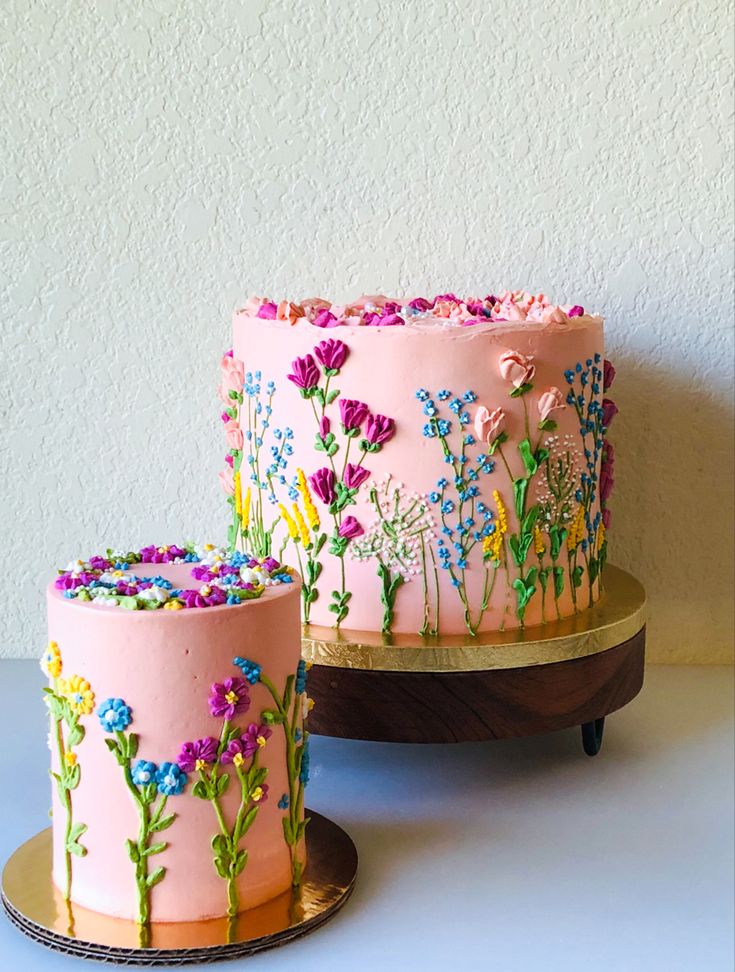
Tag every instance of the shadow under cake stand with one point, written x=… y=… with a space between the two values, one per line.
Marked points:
x=400 y=688
x=35 y=906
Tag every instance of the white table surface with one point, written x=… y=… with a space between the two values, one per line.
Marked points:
x=515 y=855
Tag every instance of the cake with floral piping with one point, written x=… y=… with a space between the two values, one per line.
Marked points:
x=434 y=466
x=179 y=758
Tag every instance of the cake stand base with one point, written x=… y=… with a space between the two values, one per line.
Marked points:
x=35 y=906
x=572 y=672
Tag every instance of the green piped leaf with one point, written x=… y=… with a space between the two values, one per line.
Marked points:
x=558 y=581
x=158 y=848
x=520 y=486
x=577 y=575
x=163 y=824
x=222 y=783
x=155 y=877
x=548 y=425
x=133 y=852
x=521 y=390
x=497 y=442
x=524 y=448
x=201 y=790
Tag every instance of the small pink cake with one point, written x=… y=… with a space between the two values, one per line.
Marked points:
x=177 y=700
x=438 y=467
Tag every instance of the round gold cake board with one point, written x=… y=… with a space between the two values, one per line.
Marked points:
x=34 y=904
x=405 y=688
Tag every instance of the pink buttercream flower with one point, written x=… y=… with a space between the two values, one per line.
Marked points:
x=516 y=367
x=355 y=475
x=325 y=318
x=576 y=311
x=287 y=311
x=608 y=374
x=305 y=374
x=379 y=429
x=421 y=304
x=549 y=402
x=229 y=698
x=322 y=482
x=606 y=518
x=230 y=460
x=324 y=426
x=606 y=483
x=489 y=425
x=234 y=436
x=353 y=413
x=350 y=528
x=233 y=374
x=389 y=320
x=227 y=481
x=268 y=310
x=331 y=354
x=609 y=411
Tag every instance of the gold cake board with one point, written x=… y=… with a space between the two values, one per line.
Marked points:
x=35 y=906
x=405 y=688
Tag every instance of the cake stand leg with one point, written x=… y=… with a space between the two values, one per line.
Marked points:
x=592 y=736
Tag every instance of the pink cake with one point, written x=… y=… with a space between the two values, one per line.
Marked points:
x=437 y=467
x=177 y=698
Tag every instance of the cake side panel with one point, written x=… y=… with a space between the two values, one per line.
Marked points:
x=433 y=570
x=162 y=665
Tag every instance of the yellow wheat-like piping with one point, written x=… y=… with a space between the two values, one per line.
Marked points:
x=311 y=511
x=538 y=542
x=502 y=525
x=238 y=494
x=245 y=512
x=601 y=534
x=293 y=530
x=301 y=524
x=576 y=530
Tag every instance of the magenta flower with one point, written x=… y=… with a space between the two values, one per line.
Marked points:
x=355 y=475
x=606 y=483
x=609 y=411
x=255 y=737
x=65 y=581
x=195 y=755
x=324 y=427
x=230 y=460
x=350 y=528
x=608 y=455
x=322 y=482
x=305 y=374
x=204 y=597
x=447 y=297
x=378 y=430
x=99 y=563
x=353 y=414
x=608 y=374
x=606 y=517
x=161 y=555
x=229 y=698
x=325 y=318
x=421 y=304
x=575 y=311
x=331 y=355
x=390 y=320
x=268 y=311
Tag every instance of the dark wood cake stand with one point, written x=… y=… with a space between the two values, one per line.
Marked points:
x=569 y=673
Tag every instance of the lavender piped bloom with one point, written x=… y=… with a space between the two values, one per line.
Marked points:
x=353 y=413
x=575 y=311
x=325 y=318
x=99 y=563
x=195 y=755
x=355 y=475
x=205 y=597
x=379 y=429
x=66 y=582
x=268 y=311
x=331 y=354
x=322 y=482
x=228 y=698
x=350 y=528
x=161 y=555
x=270 y=564
x=246 y=745
x=608 y=374
x=305 y=373
x=609 y=411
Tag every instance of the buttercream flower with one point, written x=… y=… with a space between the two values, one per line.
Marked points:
x=488 y=425
x=227 y=481
x=114 y=715
x=99 y=563
x=164 y=554
x=255 y=738
x=324 y=427
x=576 y=311
x=325 y=318
x=79 y=694
x=606 y=518
x=421 y=304
x=609 y=411
x=228 y=698
x=606 y=482
x=234 y=436
x=355 y=475
x=379 y=429
x=331 y=354
x=350 y=528
x=260 y=793
x=608 y=374
x=322 y=482
x=305 y=374
x=198 y=754
x=268 y=311
x=250 y=669
x=51 y=660
x=516 y=367
x=301 y=676
x=288 y=311
x=206 y=596
x=170 y=779
x=352 y=413
x=549 y=402
x=234 y=752
x=70 y=758
x=143 y=772
x=389 y=320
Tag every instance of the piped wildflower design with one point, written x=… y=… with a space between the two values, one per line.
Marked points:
x=67 y=700
x=150 y=786
x=290 y=710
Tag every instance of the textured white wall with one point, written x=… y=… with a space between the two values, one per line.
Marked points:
x=164 y=158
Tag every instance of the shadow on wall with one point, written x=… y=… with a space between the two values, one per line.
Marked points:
x=672 y=519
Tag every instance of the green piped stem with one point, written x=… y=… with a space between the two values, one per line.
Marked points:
x=65 y=796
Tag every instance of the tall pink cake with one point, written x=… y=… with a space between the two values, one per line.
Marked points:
x=177 y=698
x=436 y=467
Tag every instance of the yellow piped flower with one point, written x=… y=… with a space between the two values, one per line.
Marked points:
x=493 y=544
x=257 y=795
x=245 y=512
x=173 y=605
x=293 y=530
x=70 y=758
x=51 y=660
x=576 y=530
x=301 y=524
x=601 y=534
x=312 y=515
x=238 y=494
x=538 y=542
x=78 y=692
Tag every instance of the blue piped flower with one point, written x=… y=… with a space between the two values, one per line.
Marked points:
x=304 y=772
x=114 y=715
x=143 y=772
x=422 y=394
x=443 y=395
x=250 y=670
x=283 y=802
x=170 y=779
x=301 y=676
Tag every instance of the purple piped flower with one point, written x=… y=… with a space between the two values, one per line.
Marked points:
x=353 y=413
x=355 y=475
x=477 y=308
x=322 y=482
x=331 y=354
x=325 y=318
x=230 y=460
x=379 y=429
x=390 y=320
x=204 y=597
x=575 y=311
x=270 y=564
x=195 y=755
x=350 y=528
x=99 y=563
x=606 y=517
x=229 y=698
x=268 y=311
x=324 y=427
x=66 y=582
x=161 y=555
x=305 y=374
x=608 y=375
x=609 y=411
x=448 y=297
x=421 y=304
x=606 y=483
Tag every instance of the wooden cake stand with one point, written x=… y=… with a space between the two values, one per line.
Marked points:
x=400 y=688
